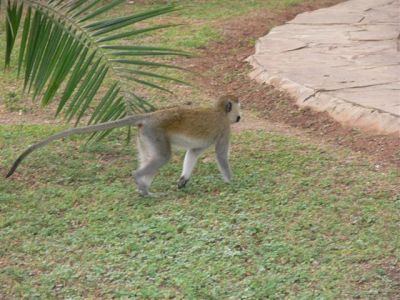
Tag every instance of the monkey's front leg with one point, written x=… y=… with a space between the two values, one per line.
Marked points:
x=188 y=165
x=222 y=153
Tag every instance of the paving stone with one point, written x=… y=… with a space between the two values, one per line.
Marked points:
x=343 y=59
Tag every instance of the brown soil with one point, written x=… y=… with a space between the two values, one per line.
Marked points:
x=223 y=70
x=33 y=116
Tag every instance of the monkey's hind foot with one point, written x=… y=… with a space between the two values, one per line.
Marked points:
x=143 y=193
x=153 y=195
x=142 y=187
x=182 y=182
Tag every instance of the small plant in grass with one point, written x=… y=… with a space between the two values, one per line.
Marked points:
x=12 y=103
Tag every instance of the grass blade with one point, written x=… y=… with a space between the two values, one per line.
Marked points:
x=144 y=53
x=132 y=33
x=92 y=90
x=128 y=20
x=77 y=74
x=89 y=5
x=83 y=90
x=101 y=10
x=107 y=98
x=146 y=48
x=31 y=46
x=61 y=72
x=144 y=63
x=13 y=19
x=108 y=105
x=24 y=38
x=154 y=75
x=147 y=83
x=75 y=5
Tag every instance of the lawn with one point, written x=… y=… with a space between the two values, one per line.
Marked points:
x=299 y=221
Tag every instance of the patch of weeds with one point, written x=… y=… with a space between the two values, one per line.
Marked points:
x=191 y=37
x=229 y=77
x=13 y=103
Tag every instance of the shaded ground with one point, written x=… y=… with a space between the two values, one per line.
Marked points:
x=225 y=71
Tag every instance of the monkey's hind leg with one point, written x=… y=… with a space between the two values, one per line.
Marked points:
x=144 y=156
x=188 y=165
x=154 y=152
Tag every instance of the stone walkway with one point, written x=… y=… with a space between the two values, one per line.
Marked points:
x=344 y=60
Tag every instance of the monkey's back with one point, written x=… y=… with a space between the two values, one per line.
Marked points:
x=199 y=126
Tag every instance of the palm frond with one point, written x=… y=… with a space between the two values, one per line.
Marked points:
x=13 y=17
x=66 y=50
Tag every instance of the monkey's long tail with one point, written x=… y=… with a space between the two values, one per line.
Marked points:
x=130 y=120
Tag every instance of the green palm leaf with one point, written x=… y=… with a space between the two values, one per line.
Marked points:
x=65 y=51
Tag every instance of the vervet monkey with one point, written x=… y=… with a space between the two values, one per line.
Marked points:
x=194 y=129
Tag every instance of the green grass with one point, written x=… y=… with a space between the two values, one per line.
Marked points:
x=298 y=221
x=219 y=10
x=200 y=19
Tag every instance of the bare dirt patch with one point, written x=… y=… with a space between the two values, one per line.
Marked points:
x=35 y=116
x=223 y=70
x=393 y=273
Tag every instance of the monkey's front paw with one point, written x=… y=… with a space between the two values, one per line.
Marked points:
x=182 y=182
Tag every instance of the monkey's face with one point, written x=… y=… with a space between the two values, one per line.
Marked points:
x=233 y=110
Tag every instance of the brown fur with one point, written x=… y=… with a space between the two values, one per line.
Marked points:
x=192 y=128
x=180 y=120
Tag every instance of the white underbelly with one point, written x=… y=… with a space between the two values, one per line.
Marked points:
x=188 y=142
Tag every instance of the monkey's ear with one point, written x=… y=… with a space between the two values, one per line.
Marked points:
x=228 y=106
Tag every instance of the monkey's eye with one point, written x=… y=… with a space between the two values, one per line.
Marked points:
x=228 y=107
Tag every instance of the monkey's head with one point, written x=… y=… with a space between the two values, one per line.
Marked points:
x=231 y=106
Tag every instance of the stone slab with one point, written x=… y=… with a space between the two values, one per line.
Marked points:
x=343 y=59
